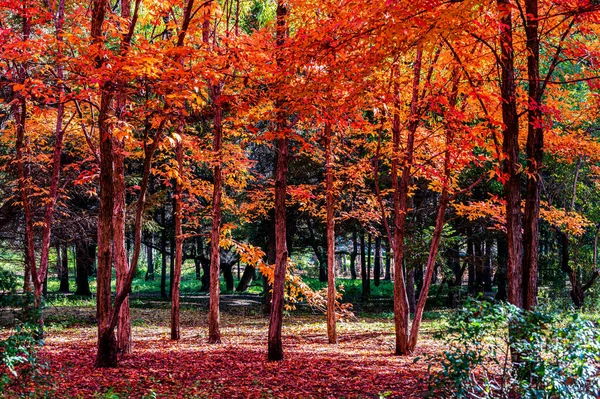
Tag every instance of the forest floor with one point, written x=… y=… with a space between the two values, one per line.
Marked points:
x=362 y=365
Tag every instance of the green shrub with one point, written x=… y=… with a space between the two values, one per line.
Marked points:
x=500 y=351
x=18 y=352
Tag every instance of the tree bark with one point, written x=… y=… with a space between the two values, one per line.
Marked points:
x=163 y=252
x=535 y=155
x=331 y=290
x=85 y=253
x=377 y=266
x=178 y=216
x=366 y=284
x=64 y=269
x=400 y=197
x=511 y=166
x=246 y=279
x=353 y=255
x=150 y=256
x=275 y=348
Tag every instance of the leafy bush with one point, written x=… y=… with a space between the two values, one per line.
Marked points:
x=18 y=351
x=500 y=351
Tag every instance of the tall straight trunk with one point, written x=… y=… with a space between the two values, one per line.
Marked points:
x=64 y=269
x=535 y=155
x=331 y=291
x=26 y=268
x=377 y=266
x=472 y=270
x=369 y=257
x=150 y=256
x=107 y=342
x=353 y=255
x=511 y=166
x=84 y=260
x=366 y=284
x=120 y=260
x=410 y=290
x=178 y=216
x=163 y=252
x=388 y=263
x=500 y=277
x=275 y=348
x=400 y=197
x=214 y=335
x=479 y=264
x=487 y=270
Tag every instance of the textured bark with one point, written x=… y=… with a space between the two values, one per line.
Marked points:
x=500 y=277
x=331 y=290
x=410 y=290
x=150 y=257
x=120 y=260
x=400 y=198
x=366 y=284
x=176 y=276
x=64 y=269
x=487 y=270
x=84 y=261
x=377 y=265
x=535 y=155
x=275 y=348
x=163 y=251
x=246 y=279
x=511 y=166
x=353 y=255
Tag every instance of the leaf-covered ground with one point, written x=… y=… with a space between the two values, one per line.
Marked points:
x=360 y=366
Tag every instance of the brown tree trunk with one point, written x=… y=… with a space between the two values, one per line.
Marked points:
x=275 y=348
x=400 y=197
x=246 y=279
x=150 y=257
x=353 y=255
x=331 y=291
x=366 y=284
x=377 y=266
x=511 y=166
x=214 y=335
x=120 y=254
x=176 y=276
x=64 y=269
x=163 y=252
x=84 y=259
x=535 y=155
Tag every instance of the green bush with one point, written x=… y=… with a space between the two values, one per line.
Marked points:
x=500 y=351
x=18 y=352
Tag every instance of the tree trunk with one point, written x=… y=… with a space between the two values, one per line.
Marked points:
x=120 y=255
x=331 y=290
x=246 y=279
x=163 y=252
x=150 y=257
x=388 y=264
x=85 y=254
x=377 y=266
x=472 y=270
x=64 y=270
x=275 y=348
x=228 y=275
x=353 y=255
x=400 y=197
x=178 y=216
x=410 y=290
x=511 y=166
x=487 y=271
x=535 y=157
x=500 y=277
x=366 y=284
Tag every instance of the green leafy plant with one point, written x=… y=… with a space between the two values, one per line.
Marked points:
x=500 y=351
